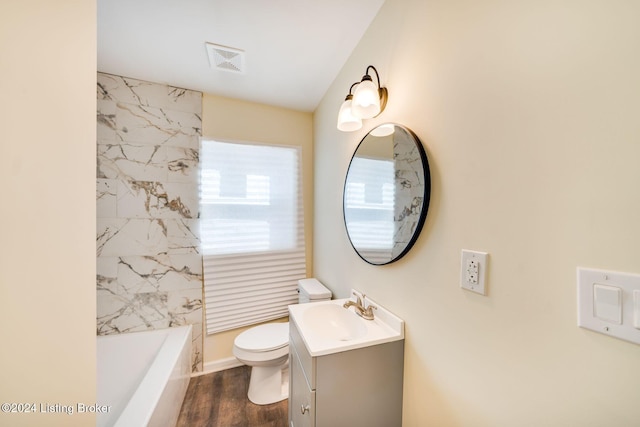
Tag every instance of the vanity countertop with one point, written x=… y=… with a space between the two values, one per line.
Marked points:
x=327 y=327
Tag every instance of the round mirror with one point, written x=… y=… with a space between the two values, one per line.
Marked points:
x=386 y=194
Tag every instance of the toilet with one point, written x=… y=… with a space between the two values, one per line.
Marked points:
x=266 y=349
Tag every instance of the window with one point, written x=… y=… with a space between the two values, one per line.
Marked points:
x=252 y=232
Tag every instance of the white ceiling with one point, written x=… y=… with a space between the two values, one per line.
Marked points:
x=293 y=48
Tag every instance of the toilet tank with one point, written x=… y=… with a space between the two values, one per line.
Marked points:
x=311 y=290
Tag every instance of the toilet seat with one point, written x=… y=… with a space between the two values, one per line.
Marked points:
x=263 y=338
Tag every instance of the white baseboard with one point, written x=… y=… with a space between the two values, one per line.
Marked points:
x=218 y=365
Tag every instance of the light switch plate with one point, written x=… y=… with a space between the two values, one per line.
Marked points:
x=473 y=271
x=599 y=293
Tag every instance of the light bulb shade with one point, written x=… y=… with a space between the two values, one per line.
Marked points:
x=366 y=100
x=347 y=122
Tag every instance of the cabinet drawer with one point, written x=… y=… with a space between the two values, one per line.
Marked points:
x=307 y=362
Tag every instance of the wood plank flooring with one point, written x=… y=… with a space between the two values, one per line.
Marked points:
x=220 y=400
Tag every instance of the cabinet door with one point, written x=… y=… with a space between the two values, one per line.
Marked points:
x=302 y=400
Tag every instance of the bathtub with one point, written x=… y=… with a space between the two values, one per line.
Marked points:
x=143 y=376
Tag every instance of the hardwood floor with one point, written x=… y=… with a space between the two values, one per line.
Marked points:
x=220 y=400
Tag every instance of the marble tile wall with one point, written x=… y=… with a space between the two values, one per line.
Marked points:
x=149 y=268
x=409 y=190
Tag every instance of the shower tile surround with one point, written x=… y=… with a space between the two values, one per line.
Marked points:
x=149 y=269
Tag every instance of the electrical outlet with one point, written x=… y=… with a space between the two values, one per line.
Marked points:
x=473 y=271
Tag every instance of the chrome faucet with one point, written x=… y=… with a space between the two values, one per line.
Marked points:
x=358 y=305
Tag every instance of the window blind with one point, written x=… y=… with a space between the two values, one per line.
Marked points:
x=252 y=232
x=369 y=205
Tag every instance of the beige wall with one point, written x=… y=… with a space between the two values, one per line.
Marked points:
x=47 y=220
x=529 y=114
x=236 y=120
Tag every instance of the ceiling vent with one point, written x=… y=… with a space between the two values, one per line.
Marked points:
x=225 y=58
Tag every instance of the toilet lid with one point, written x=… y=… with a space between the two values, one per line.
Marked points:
x=267 y=337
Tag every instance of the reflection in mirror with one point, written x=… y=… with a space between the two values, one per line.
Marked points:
x=386 y=194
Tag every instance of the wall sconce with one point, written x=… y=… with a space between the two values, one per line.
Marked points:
x=347 y=121
x=367 y=101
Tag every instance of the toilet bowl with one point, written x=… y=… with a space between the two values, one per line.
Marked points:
x=266 y=349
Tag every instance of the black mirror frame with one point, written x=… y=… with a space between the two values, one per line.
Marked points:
x=426 y=196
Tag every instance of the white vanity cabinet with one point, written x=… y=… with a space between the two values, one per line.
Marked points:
x=357 y=387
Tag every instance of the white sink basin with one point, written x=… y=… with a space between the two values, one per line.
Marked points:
x=327 y=327
x=333 y=322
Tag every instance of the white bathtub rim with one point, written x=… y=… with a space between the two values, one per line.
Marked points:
x=154 y=381
x=122 y=361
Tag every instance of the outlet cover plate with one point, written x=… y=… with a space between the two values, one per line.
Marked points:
x=473 y=271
